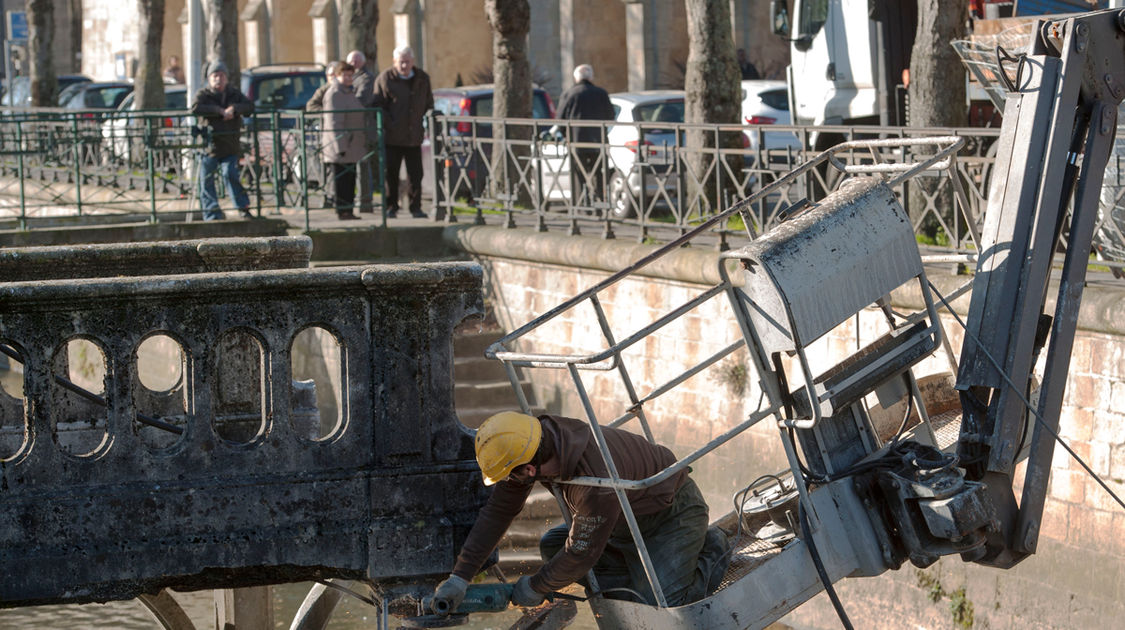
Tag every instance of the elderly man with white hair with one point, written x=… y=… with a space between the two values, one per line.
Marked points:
x=404 y=93
x=586 y=102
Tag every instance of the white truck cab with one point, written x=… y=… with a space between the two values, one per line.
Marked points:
x=846 y=59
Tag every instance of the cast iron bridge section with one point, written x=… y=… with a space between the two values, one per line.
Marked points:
x=231 y=475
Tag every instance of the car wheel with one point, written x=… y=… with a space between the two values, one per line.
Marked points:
x=621 y=201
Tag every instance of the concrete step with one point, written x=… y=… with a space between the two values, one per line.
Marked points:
x=478 y=369
x=489 y=394
x=473 y=417
x=473 y=344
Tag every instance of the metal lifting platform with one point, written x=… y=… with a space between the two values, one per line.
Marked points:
x=827 y=262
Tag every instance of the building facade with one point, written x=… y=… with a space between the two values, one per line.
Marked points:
x=632 y=44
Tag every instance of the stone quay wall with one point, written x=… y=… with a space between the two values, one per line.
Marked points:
x=1077 y=578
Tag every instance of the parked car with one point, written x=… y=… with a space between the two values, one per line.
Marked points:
x=467 y=161
x=123 y=130
x=281 y=86
x=767 y=103
x=18 y=93
x=92 y=95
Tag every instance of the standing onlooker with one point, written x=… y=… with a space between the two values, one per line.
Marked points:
x=747 y=69
x=403 y=91
x=586 y=101
x=173 y=71
x=364 y=84
x=314 y=105
x=222 y=107
x=343 y=138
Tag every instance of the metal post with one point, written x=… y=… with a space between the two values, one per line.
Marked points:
x=257 y=161
x=305 y=167
x=382 y=164
x=626 y=508
x=19 y=159
x=77 y=162
x=149 y=148
x=275 y=131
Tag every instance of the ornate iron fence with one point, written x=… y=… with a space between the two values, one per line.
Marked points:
x=63 y=163
x=652 y=180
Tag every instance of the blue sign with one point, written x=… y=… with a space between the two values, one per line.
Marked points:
x=17 y=26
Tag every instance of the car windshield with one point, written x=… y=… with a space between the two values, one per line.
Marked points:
x=289 y=91
x=666 y=111
x=539 y=108
x=107 y=97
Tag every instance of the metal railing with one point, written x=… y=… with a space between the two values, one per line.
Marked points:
x=653 y=180
x=55 y=163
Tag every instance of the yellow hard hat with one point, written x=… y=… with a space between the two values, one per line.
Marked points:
x=504 y=441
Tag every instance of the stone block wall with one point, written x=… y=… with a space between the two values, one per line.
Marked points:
x=1077 y=578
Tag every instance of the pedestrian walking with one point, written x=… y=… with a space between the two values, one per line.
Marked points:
x=404 y=93
x=221 y=106
x=586 y=101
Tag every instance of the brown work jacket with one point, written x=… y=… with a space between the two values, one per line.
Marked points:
x=595 y=512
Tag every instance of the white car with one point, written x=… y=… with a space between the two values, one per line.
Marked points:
x=635 y=113
x=767 y=103
x=123 y=132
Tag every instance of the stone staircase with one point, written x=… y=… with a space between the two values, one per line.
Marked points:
x=481 y=388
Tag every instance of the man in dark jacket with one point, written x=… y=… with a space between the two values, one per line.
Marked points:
x=515 y=450
x=222 y=106
x=587 y=102
x=403 y=91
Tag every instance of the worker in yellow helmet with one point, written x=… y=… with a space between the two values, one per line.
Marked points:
x=514 y=450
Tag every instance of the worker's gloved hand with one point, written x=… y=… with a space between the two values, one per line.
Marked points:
x=449 y=594
x=524 y=595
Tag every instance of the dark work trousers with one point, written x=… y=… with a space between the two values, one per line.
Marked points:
x=413 y=158
x=690 y=559
x=343 y=175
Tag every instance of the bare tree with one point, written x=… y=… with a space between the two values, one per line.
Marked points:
x=222 y=35
x=712 y=95
x=510 y=21
x=149 y=84
x=358 y=19
x=41 y=33
x=937 y=93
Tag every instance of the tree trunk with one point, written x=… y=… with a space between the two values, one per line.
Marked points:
x=41 y=33
x=149 y=82
x=222 y=36
x=712 y=95
x=75 y=27
x=358 y=19
x=937 y=97
x=510 y=21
